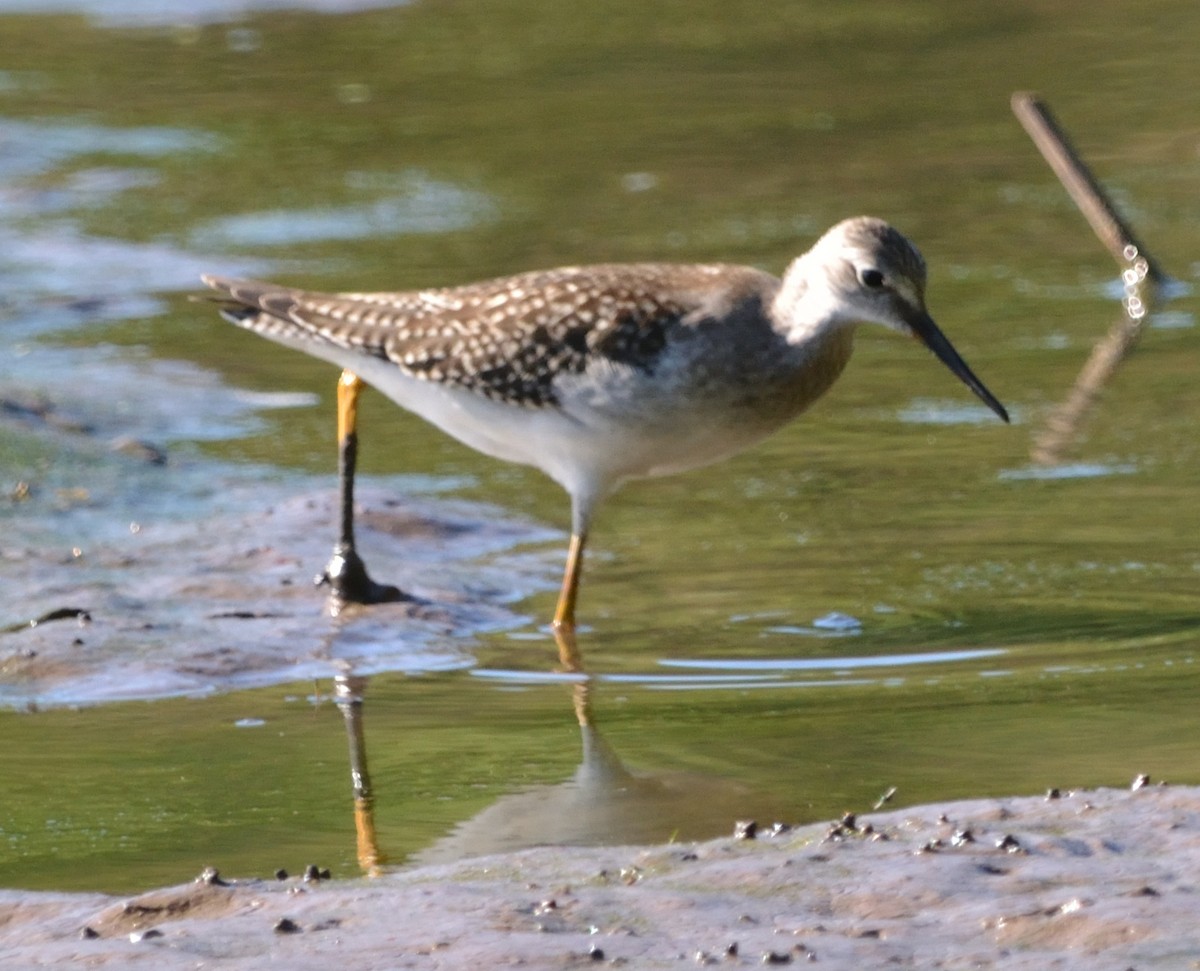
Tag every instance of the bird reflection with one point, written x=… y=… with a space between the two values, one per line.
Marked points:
x=348 y=693
x=603 y=803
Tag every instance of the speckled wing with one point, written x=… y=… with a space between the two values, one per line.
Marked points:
x=507 y=339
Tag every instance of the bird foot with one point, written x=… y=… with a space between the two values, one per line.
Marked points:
x=568 y=648
x=348 y=581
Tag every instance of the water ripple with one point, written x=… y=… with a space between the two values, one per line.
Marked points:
x=831 y=663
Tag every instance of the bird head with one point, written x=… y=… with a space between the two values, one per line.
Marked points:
x=870 y=272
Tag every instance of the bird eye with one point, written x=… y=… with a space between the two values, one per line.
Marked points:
x=871 y=278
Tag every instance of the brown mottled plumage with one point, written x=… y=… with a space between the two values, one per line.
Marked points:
x=600 y=374
x=507 y=339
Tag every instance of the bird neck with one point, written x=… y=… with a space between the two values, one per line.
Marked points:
x=804 y=311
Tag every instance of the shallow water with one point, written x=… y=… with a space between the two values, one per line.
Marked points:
x=886 y=594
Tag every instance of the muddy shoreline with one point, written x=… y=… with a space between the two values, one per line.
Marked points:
x=1091 y=879
x=226 y=602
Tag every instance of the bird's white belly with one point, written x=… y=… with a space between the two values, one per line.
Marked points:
x=607 y=429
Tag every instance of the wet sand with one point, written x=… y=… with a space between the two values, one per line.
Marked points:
x=225 y=601
x=1090 y=879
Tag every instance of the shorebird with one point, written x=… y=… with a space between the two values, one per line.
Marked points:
x=602 y=374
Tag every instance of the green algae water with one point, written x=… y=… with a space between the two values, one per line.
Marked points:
x=885 y=594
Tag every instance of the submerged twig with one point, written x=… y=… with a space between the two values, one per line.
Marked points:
x=1113 y=231
x=1140 y=274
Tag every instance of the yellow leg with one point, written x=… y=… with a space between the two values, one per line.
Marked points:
x=346 y=575
x=568 y=650
x=348 y=389
x=564 y=615
x=349 y=386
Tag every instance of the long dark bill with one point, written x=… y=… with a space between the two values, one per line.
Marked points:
x=928 y=333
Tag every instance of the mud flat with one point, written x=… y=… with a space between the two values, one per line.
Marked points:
x=226 y=601
x=1088 y=879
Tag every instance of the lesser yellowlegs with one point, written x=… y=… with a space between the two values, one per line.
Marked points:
x=601 y=374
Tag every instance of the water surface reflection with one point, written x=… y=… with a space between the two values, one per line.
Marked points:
x=603 y=803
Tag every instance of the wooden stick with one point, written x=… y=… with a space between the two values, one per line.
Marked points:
x=1113 y=231
x=1140 y=274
